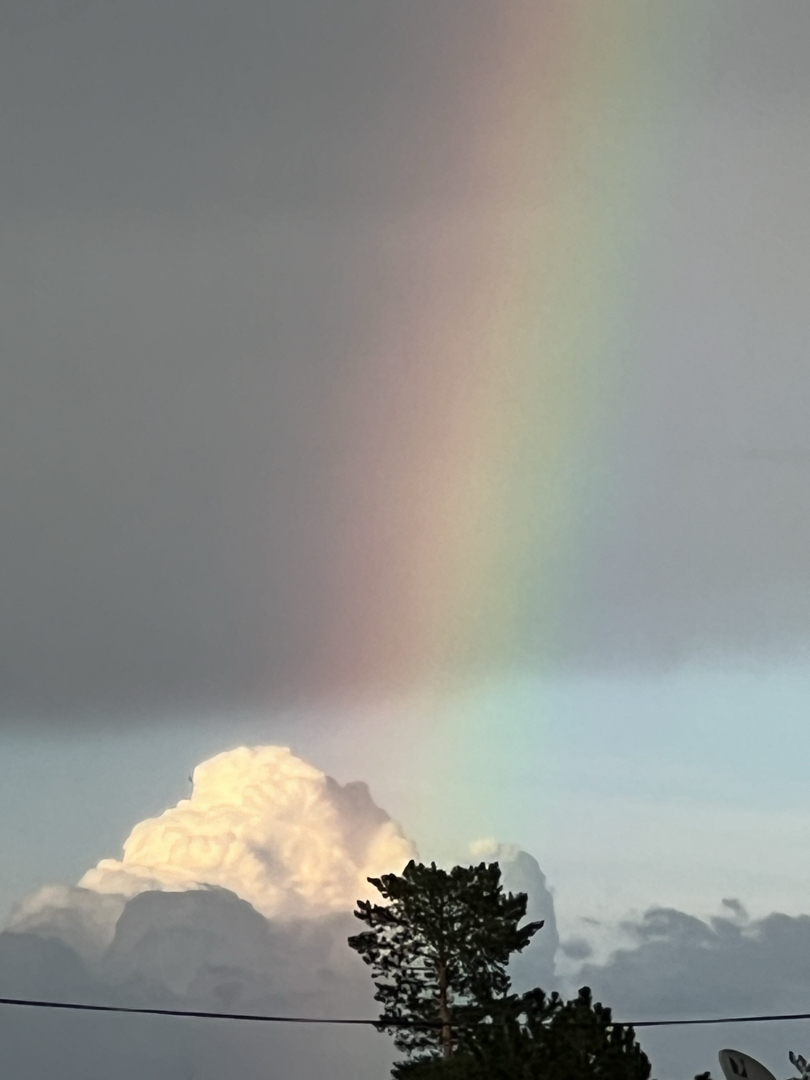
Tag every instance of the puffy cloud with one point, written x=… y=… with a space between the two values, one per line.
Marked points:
x=238 y=899
x=520 y=872
x=267 y=826
x=80 y=918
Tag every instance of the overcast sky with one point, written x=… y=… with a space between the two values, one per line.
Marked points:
x=197 y=204
x=186 y=191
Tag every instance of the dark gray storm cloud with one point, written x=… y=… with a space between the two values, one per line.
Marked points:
x=163 y=108
x=187 y=279
x=189 y=270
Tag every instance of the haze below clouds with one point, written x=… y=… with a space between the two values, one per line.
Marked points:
x=185 y=190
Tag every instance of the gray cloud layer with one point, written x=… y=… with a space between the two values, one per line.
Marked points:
x=682 y=967
x=204 y=950
x=185 y=188
x=191 y=265
x=210 y=950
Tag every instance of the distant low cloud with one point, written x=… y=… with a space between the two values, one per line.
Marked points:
x=520 y=872
x=685 y=966
x=681 y=966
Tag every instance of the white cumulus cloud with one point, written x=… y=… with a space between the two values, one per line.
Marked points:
x=238 y=899
x=273 y=829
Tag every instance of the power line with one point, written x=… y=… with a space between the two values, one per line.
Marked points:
x=198 y=1014
x=204 y=1015
x=715 y=1020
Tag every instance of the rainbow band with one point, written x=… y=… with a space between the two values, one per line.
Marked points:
x=482 y=403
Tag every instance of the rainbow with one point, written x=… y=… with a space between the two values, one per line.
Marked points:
x=481 y=405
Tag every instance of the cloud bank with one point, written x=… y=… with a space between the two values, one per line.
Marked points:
x=238 y=899
x=679 y=966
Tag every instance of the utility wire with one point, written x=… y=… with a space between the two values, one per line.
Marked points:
x=199 y=1014
x=203 y=1015
x=714 y=1020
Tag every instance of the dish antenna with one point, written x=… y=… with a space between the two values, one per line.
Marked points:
x=739 y=1066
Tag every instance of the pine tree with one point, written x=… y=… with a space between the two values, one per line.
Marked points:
x=539 y=1037
x=439 y=950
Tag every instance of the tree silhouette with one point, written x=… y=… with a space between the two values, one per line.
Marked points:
x=439 y=950
x=539 y=1037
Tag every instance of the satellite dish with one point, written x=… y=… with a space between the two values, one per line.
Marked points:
x=739 y=1066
